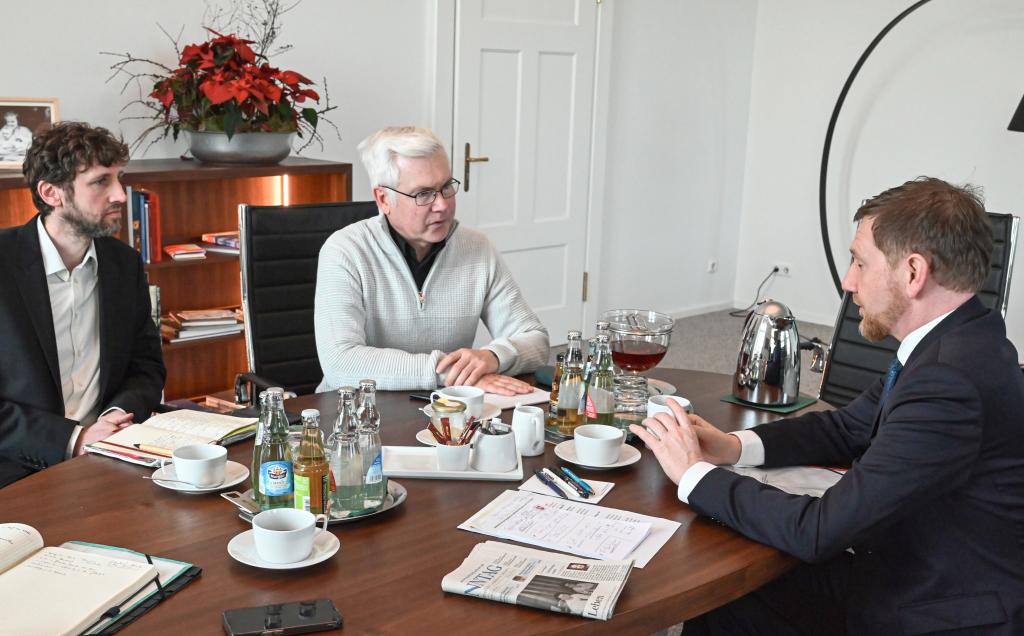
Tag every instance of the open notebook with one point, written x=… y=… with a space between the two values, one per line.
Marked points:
x=77 y=587
x=170 y=431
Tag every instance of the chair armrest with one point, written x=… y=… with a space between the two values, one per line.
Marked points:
x=248 y=385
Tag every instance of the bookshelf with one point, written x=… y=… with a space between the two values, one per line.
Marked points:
x=197 y=198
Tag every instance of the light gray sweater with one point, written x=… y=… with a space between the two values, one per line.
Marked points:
x=372 y=322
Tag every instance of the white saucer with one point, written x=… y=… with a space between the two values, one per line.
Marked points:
x=242 y=548
x=234 y=473
x=487 y=412
x=660 y=387
x=567 y=451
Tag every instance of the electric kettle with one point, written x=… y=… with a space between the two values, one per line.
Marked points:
x=768 y=365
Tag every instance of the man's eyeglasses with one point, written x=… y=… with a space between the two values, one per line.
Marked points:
x=427 y=197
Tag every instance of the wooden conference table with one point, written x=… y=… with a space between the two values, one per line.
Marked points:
x=387 y=577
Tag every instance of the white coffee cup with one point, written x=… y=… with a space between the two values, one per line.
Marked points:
x=453 y=457
x=285 y=535
x=471 y=396
x=659 y=404
x=598 y=444
x=494 y=451
x=200 y=464
x=528 y=427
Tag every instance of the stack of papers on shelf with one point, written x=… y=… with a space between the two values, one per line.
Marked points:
x=193 y=324
x=576 y=528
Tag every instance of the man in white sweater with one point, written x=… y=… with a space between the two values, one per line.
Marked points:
x=399 y=296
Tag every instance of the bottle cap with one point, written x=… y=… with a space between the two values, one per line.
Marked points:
x=310 y=413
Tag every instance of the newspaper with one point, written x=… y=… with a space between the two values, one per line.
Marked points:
x=534 y=578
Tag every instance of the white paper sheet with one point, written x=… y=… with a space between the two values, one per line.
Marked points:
x=511 y=502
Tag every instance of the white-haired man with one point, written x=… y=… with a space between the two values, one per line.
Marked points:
x=399 y=296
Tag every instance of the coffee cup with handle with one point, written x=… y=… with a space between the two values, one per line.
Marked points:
x=598 y=444
x=285 y=535
x=659 y=404
x=471 y=396
x=201 y=465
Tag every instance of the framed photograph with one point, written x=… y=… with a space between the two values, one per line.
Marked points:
x=22 y=118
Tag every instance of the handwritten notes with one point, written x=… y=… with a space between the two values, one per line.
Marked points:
x=78 y=587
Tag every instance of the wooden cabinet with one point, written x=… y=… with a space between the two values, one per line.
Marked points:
x=197 y=198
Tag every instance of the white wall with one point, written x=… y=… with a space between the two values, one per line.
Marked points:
x=373 y=55
x=934 y=98
x=677 y=119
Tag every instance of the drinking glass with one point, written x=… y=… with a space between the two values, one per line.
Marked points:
x=639 y=340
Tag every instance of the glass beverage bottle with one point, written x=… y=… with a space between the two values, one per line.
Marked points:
x=599 y=403
x=570 y=388
x=312 y=472
x=276 y=483
x=369 y=445
x=261 y=431
x=556 y=379
x=345 y=459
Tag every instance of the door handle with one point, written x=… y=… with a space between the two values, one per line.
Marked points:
x=470 y=159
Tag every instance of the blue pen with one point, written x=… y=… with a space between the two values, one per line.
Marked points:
x=547 y=481
x=571 y=475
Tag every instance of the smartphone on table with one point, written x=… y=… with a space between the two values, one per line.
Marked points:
x=283 y=618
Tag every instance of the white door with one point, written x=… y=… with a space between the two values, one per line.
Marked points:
x=524 y=85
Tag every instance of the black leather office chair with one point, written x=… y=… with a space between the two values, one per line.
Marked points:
x=280 y=246
x=853 y=363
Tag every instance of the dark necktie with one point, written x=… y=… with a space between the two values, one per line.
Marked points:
x=890 y=378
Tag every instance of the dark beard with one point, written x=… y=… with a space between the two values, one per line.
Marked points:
x=90 y=229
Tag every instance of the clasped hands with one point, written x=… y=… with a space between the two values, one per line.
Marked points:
x=679 y=440
x=479 y=368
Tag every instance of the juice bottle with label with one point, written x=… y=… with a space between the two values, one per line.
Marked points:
x=312 y=472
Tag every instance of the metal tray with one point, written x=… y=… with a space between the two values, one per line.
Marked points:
x=247 y=505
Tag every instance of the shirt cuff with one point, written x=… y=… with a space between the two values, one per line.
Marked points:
x=751 y=448
x=690 y=478
x=69 y=452
x=506 y=356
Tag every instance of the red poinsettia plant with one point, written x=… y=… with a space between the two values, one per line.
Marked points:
x=225 y=85
x=222 y=85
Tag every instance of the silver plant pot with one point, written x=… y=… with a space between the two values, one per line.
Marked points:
x=250 y=148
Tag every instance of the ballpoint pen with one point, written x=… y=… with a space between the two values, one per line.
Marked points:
x=576 y=480
x=547 y=481
x=560 y=480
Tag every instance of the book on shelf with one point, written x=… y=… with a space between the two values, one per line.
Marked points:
x=535 y=578
x=227 y=239
x=217 y=248
x=184 y=251
x=172 y=335
x=143 y=211
x=206 y=316
x=173 y=430
x=79 y=587
x=154 y=304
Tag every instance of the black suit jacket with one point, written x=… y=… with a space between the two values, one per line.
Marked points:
x=33 y=430
x=933 y=504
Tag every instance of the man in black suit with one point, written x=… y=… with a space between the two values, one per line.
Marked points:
x=80 y=354
x=925 y=531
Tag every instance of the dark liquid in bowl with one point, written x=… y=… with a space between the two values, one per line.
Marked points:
x=637 y=355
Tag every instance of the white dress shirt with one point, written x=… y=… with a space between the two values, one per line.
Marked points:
x=74 y=301
x=751 y=446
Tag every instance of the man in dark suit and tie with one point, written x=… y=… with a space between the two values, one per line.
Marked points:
x=80 y=354
x=925 y=531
